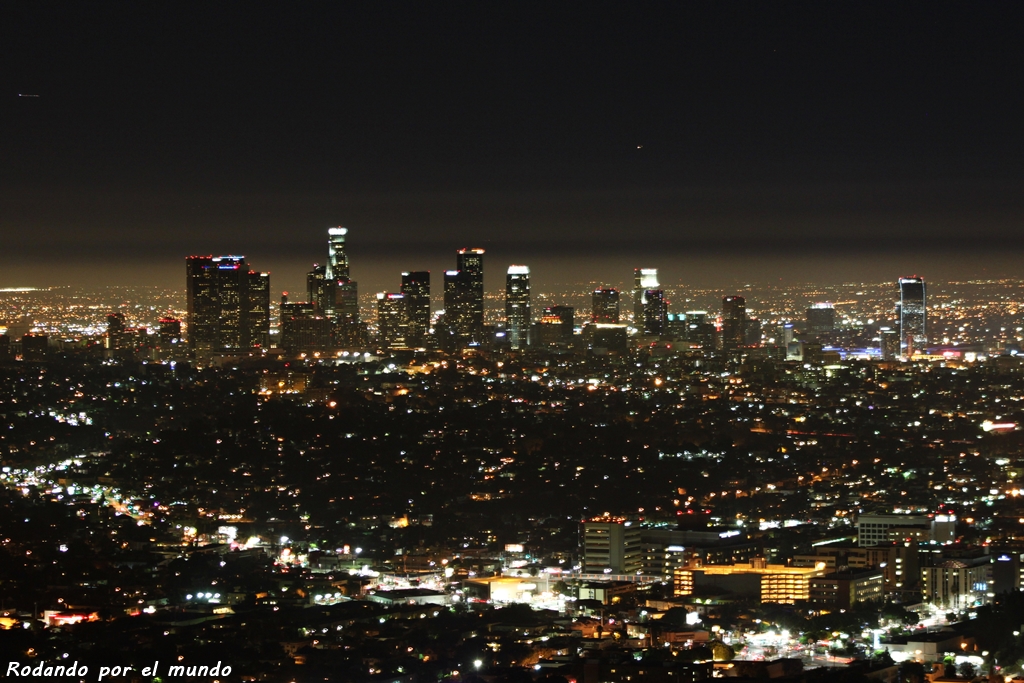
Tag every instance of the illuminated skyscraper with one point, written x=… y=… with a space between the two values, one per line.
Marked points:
x=643 y=279
x=517 y=306
x=913 y=315
x=228 y=304
x=464 y=297
x=655 y=311
x=734 y=322
x=605 y=306
x=555 y=327
x=258 y=316
x=321 y=290
x=416 y=289
x=337 y=257
x=391 y=319
x=338 y=292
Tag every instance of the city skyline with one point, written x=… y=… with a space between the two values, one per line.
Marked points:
x=512 y=342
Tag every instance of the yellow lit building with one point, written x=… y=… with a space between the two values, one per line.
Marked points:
x=768 y=582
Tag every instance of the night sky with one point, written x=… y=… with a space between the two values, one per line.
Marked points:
x=717 y=141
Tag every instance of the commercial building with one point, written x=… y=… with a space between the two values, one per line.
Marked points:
x=755 y=579
x=957 y=583
x=464 y=297
x=517 y=306
x=821 y=318
x=734 y=322
x=913 y=315
x=881 y=529
x=391 y=319
x=655 y=312
x=416 y=289
x=611 y=545
x=842 y=590
x=898 y=562
x=605 y=306
x=228 y=304
x=643 y=279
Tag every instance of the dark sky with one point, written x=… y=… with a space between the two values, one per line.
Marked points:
x=713 y=140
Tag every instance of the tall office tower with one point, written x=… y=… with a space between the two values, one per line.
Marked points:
x=464 y=297
x=821 y=318
x=115 y=323
x=734 y=322
x=655 y=311
x=471 y=262
x=699 y=332
x=611 y=545
x=605 y=306
x=170 y=332
x=391 y=319
x=913 y=315
x=517 y=306
x=567 y=316
x=337 y=257
x=753 y=332
x=338 y=295
x=416 y=288
x=259 y=309
x=888 y=343
x=321 y=290
x=304 y=328
x=643 y=279
x=555 y=327
x=228 y=304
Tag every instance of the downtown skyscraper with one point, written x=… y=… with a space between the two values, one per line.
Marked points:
x=913 y=315
x=643 y=279
x=228 y=304
x=464 y=298
x=517 y=306
x=605 y=306
x=734 y=322
x=416 y=289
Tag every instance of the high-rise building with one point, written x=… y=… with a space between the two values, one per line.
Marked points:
x=517 y=306
x=888 y=343
x=611 y=545
x=416 y=289
x=752 y=333
x=605 y=306
x=337 y=256
x=699 y=332
x=304 y=328
x=554 y=329
x=464 y=297
x=321 y=290
x=734 y=322
x=391 y=319
x=913 y=315
x=228 y=304
x=258 y=318
x=338 y=292
x=655 y=311
x=170 y=332
x=643 y=279
x=566 y=316
x=821 y=318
